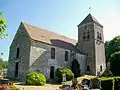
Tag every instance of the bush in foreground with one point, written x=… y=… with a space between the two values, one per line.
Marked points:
x=115 y=63
x=69 y=74
x=107 y=83
x=61 y=71
x=34 y=78
x=110 y=83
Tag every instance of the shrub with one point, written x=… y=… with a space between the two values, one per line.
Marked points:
x=111 y=83
x=115 y=63
x=107 y=84
x=61 y=71
x=34 y=78
x=116 y=83
x=113 y=45
x=69 y=74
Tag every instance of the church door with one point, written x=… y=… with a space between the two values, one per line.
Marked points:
x=75 y=68
x=52 y=72
x=16 y=69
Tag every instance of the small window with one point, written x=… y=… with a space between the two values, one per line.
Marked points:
x=88 y=36
x=101 y=68
x=87 y=54
x=52 y=53
x=85 y=27
x=84 y=33
x=97 y=35
x=17 y=53
x=66 y=55
x=84 y=37
x=100 y=37
x=88 y=68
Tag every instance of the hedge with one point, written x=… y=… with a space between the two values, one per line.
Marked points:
x=116 y=83
x=107 y=83
x=111 y=83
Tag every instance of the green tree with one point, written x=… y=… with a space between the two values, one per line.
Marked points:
x=3 y=64
x=113 y=46
x=115 y=63
x=3 y=27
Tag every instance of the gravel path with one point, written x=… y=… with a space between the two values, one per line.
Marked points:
x=45 y=87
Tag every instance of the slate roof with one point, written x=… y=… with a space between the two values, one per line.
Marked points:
x=50 y=37
x=88 y=19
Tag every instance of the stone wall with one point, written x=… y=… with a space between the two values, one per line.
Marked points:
x=99 y=50
x=36 y=56
x=87 y=45
x=40 y=58
x=22 y=41
x=95 y=51
x=82 y=61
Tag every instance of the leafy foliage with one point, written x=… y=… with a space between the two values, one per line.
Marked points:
x=115 y=63
x=61 y=71
x=114 y=46
x=112 y=49
x=3 y=27
x=69 y=74
x=3 y=64
x=34 y=78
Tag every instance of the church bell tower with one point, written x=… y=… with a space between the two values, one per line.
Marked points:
x=91 y=42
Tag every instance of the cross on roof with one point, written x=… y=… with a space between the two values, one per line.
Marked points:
x=89 y=9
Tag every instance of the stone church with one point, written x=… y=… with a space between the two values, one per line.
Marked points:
x=36 y=49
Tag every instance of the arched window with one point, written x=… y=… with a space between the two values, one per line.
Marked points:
x=88 y=36
x=85 y=27
x=88 y=68
x=17 y=52
x=97 y=35
x=101 y=68
x=84 y=37
x=52 y=53
x=66 y=55
x=84 y=33
x=88 y=32
x=100 y=37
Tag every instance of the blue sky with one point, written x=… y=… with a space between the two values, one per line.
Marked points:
x=61 y=16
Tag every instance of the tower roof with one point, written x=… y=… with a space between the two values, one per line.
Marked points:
x=88 y=19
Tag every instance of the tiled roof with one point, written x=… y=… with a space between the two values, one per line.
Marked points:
x=50 y=37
